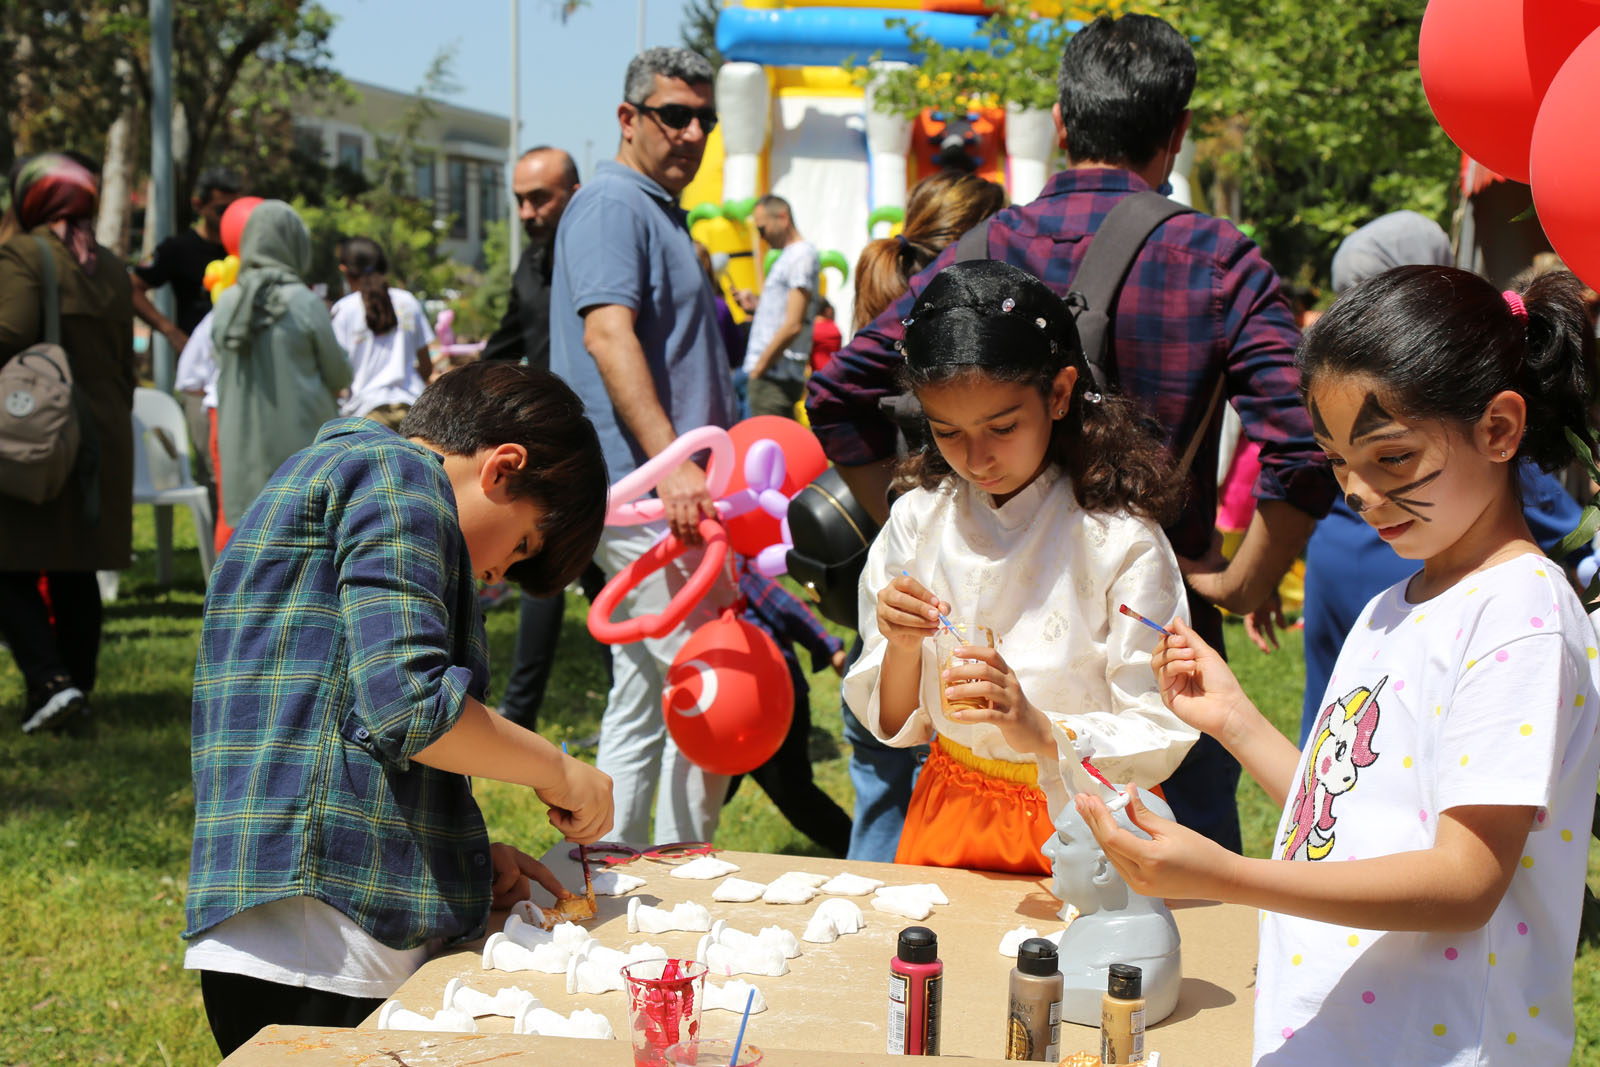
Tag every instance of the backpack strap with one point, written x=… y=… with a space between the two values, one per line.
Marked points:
x=974 y=244
x=52 y=295
x=1098 y=279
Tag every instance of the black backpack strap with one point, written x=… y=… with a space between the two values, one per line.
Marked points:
x=52 y=294
x=1099 y=278
x=974 y=244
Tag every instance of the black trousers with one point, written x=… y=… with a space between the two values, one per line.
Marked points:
x=42 y=651
x=788 y=780
x=538 y=634
x=238 y=1006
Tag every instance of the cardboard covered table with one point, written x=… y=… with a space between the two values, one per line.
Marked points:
x=835 y=997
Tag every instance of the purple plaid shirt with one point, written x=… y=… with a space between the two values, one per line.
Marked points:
x=1199 y=301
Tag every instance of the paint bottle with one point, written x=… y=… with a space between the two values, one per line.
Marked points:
x=916 y=986
x=1033 y=1018
x=1122 y=1016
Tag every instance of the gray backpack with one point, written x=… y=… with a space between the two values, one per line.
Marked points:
x=42 y=421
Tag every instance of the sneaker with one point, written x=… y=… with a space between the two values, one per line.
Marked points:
x=53 y=706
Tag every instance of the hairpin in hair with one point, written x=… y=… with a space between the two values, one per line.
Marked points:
x=1519 y=310
x=1007 y=304
x=902 y=239
x=1093 y=398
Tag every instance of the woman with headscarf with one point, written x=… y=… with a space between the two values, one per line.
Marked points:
x=1347 y=563
x=89 y=526
x=279 y=367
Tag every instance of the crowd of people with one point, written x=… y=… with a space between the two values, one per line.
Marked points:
x=1035 y=461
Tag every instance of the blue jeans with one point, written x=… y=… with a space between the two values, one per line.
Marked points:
x=883 y=778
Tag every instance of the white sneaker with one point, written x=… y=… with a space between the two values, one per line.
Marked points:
x=62 y=705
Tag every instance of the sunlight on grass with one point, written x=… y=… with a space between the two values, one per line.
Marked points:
x=96 y=831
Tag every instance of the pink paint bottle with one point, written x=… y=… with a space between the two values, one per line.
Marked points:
x=916 y=987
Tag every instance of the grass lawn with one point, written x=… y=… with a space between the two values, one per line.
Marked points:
x=96 y=828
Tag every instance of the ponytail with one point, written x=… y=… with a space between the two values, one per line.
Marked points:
x=1555 y=378
x=1443 y=342
x=883 y=270
x=364 y=258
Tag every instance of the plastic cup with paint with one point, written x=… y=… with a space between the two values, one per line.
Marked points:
x=664 y=998
x=945 y=644
x=712 y=1052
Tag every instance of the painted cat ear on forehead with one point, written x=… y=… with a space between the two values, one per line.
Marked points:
x=1371 y=418
x=1318 y=426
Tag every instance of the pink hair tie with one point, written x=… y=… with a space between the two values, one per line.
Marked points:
x=1514 y=302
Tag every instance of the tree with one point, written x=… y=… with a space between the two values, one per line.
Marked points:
x=1308 y=120
x=699 y=30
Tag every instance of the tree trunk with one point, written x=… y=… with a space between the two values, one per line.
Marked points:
x=116 y=185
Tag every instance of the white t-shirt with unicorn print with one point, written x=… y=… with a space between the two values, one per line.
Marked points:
x=1485 y=694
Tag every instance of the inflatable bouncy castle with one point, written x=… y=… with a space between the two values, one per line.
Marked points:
x=795 y=123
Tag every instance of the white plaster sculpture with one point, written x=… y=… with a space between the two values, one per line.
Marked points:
x=446 y=1020
x=914 y=901
x=732 y=997
x=788 y=889
x=507 y=1001
x=738 y=891
x=845 y=915
x=775 y=936
x=523 y=947
x=642 y=918
x=741 y=953
x=614 y=883
x=1114 y=924
x=1011 y=939
x=820 y=930
x=850 y=885
x=595 y=968
x=704 y=867
x=581 y=1023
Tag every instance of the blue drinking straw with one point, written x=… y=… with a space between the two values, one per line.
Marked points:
x=738 y=1042
x=947 y=625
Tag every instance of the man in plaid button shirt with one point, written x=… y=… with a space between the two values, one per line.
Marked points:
x=1200 y=305
x=338 y=699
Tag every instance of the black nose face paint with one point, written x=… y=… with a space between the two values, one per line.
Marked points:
x=1354 y=503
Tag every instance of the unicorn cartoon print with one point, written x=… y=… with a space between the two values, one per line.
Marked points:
x=1341 y=745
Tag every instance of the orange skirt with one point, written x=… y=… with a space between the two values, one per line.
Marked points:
x=980 y=814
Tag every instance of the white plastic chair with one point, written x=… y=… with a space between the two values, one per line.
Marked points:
x=161 y=477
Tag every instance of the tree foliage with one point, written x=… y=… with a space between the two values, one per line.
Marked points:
x=1309 y=120
x=698 y=31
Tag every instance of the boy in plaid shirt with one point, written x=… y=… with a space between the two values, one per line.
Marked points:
x=338 y=699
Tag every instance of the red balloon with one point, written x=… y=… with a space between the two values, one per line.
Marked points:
x=1565 y=160
x=233 y=221
x=1486 y=65
x=728 y=700
x=803 y=461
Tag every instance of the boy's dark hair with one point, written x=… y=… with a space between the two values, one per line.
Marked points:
x=1123 y=87
x=217 y=180
x=993 y=321
x=482 y=405
x=363 y=257
x=1441 y=342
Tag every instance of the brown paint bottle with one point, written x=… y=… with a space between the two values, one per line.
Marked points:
x=1033 y=1023
x=1122 y=1016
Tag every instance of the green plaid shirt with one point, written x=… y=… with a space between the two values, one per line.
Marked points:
x=341 y=637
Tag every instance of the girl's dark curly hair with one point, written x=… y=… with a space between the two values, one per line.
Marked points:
x=987 y=319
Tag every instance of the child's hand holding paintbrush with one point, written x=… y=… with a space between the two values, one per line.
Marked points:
x=908 y=613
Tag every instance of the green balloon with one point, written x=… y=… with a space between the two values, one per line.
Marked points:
x=835 y=259
x=738 y=210
x=770 y=259
x=886 y=213
x=705 y=210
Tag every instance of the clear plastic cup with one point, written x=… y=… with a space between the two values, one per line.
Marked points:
x=664 y=999
x=946 y=643
x=712 y=1052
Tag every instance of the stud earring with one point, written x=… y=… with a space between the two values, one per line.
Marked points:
x=1061 y=413
x=1502 y=453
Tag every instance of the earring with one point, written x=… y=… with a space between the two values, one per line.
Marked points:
x=1061 y=414
x=1502 y=453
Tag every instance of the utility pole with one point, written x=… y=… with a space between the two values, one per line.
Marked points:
x=160 y=216
x=638 y=30
x=513 y=224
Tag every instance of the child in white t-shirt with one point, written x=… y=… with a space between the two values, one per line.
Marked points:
x=1422 y=902
x=386 y=334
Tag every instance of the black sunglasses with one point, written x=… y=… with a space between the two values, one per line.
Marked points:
x=678 y=116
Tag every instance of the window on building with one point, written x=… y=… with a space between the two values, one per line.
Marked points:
x=456 y=194
x=422 y=178
x=490 y=194
x=350 y=152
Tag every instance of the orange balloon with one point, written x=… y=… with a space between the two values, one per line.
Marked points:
x=803 y=461
x=233 y=221
x=728 y=700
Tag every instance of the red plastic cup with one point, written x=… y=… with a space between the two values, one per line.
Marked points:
x=712 y=1052
x=664 y=998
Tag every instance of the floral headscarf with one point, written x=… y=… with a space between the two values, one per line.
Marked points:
x=51 y=187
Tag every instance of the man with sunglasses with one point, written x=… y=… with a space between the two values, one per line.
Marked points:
x=634 y=332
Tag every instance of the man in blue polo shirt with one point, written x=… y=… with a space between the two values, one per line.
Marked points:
x=634 y=332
